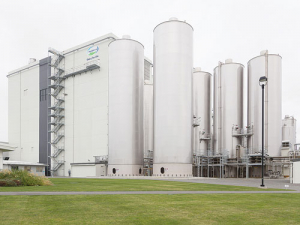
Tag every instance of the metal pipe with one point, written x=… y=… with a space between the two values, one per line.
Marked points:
x=262 y=143
x=267 y=102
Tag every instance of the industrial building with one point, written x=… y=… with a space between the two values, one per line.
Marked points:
x=97 y=109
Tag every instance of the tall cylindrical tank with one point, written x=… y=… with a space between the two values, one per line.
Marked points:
x=228 y=108
x=126 y=83
x=268 y=65
x=202 y=111
x=173 y=115
x=289 y=130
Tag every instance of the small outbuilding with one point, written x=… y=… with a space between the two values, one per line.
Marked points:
x=4 y=147
x=295 y=172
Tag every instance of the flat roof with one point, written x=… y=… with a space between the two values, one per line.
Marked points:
x=22 y=163
x=85 y=44
x=6 y=147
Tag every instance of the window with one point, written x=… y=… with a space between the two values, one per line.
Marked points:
x=162 y=170
x=285 y=144
x=28 y=168
x=114 y=170
x=14 y=167
x=43 y=95
x=39 y=169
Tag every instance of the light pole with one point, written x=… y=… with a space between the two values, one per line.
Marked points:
x=262 y=82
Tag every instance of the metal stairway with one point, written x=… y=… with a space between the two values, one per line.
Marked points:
x=57 y=114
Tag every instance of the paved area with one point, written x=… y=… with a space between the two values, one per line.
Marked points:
x=148 y=192
x=251 y=182
x=270 y=183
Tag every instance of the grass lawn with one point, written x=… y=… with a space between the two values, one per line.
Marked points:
x=80 y=184
x=152 y=209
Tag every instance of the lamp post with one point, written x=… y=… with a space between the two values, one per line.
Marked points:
x=262 y=82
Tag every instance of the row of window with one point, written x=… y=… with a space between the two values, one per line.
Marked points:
x=28 y=168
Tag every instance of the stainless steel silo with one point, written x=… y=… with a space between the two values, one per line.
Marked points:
x=173 y=115
x=202 y=111
x=228 y=108
x=126 y=83
x=268 y=65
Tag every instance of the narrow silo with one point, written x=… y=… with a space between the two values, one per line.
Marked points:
x=148 y=118
x=268 y=65
x=202 y=111
x=173 y=115
x=228 y=108
x=289 y=130
x=126 y=83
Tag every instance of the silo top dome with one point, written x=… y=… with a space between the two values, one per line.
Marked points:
x=228 y=61
x=174 y=19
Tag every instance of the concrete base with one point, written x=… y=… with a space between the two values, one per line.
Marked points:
x=172 y=170
x=124 y=170
x=265 y=187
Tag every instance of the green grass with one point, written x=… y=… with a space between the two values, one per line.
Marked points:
x=79 y=184
x=152 y=209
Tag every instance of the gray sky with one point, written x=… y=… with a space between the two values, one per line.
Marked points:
x=222 y=29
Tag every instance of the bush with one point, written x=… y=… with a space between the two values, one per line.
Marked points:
x=9 y=183
x=23 y=178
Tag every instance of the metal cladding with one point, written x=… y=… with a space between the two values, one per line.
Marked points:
x=202 y=111
x=126 y=82
x=268 y=65
x=173 y=68
x=289 y=130
x=228 y=108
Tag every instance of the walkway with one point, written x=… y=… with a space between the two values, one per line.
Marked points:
x=148 y=192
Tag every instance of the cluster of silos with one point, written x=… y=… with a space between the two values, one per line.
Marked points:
x=289 y=130
x=126 y=85
x=201 y=112
x=173 y=114
x=228 y=108
x=268 y=65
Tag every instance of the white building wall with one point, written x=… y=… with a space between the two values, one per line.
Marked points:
x=23 y=114
x=86 y=108
x=83 y=171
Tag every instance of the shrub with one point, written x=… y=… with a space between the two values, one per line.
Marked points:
x=22 y=177
x=9 y=183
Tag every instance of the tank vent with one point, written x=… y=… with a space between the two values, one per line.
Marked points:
x=173 y=19
x=228 y=61
x=197 y=69
x=263 y=52
x=31 y=60
x=126 y=37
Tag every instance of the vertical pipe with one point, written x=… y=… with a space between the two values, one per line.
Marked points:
x=267 y=102
x=262 y=143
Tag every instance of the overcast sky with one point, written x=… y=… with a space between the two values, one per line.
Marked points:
x=222 y=29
